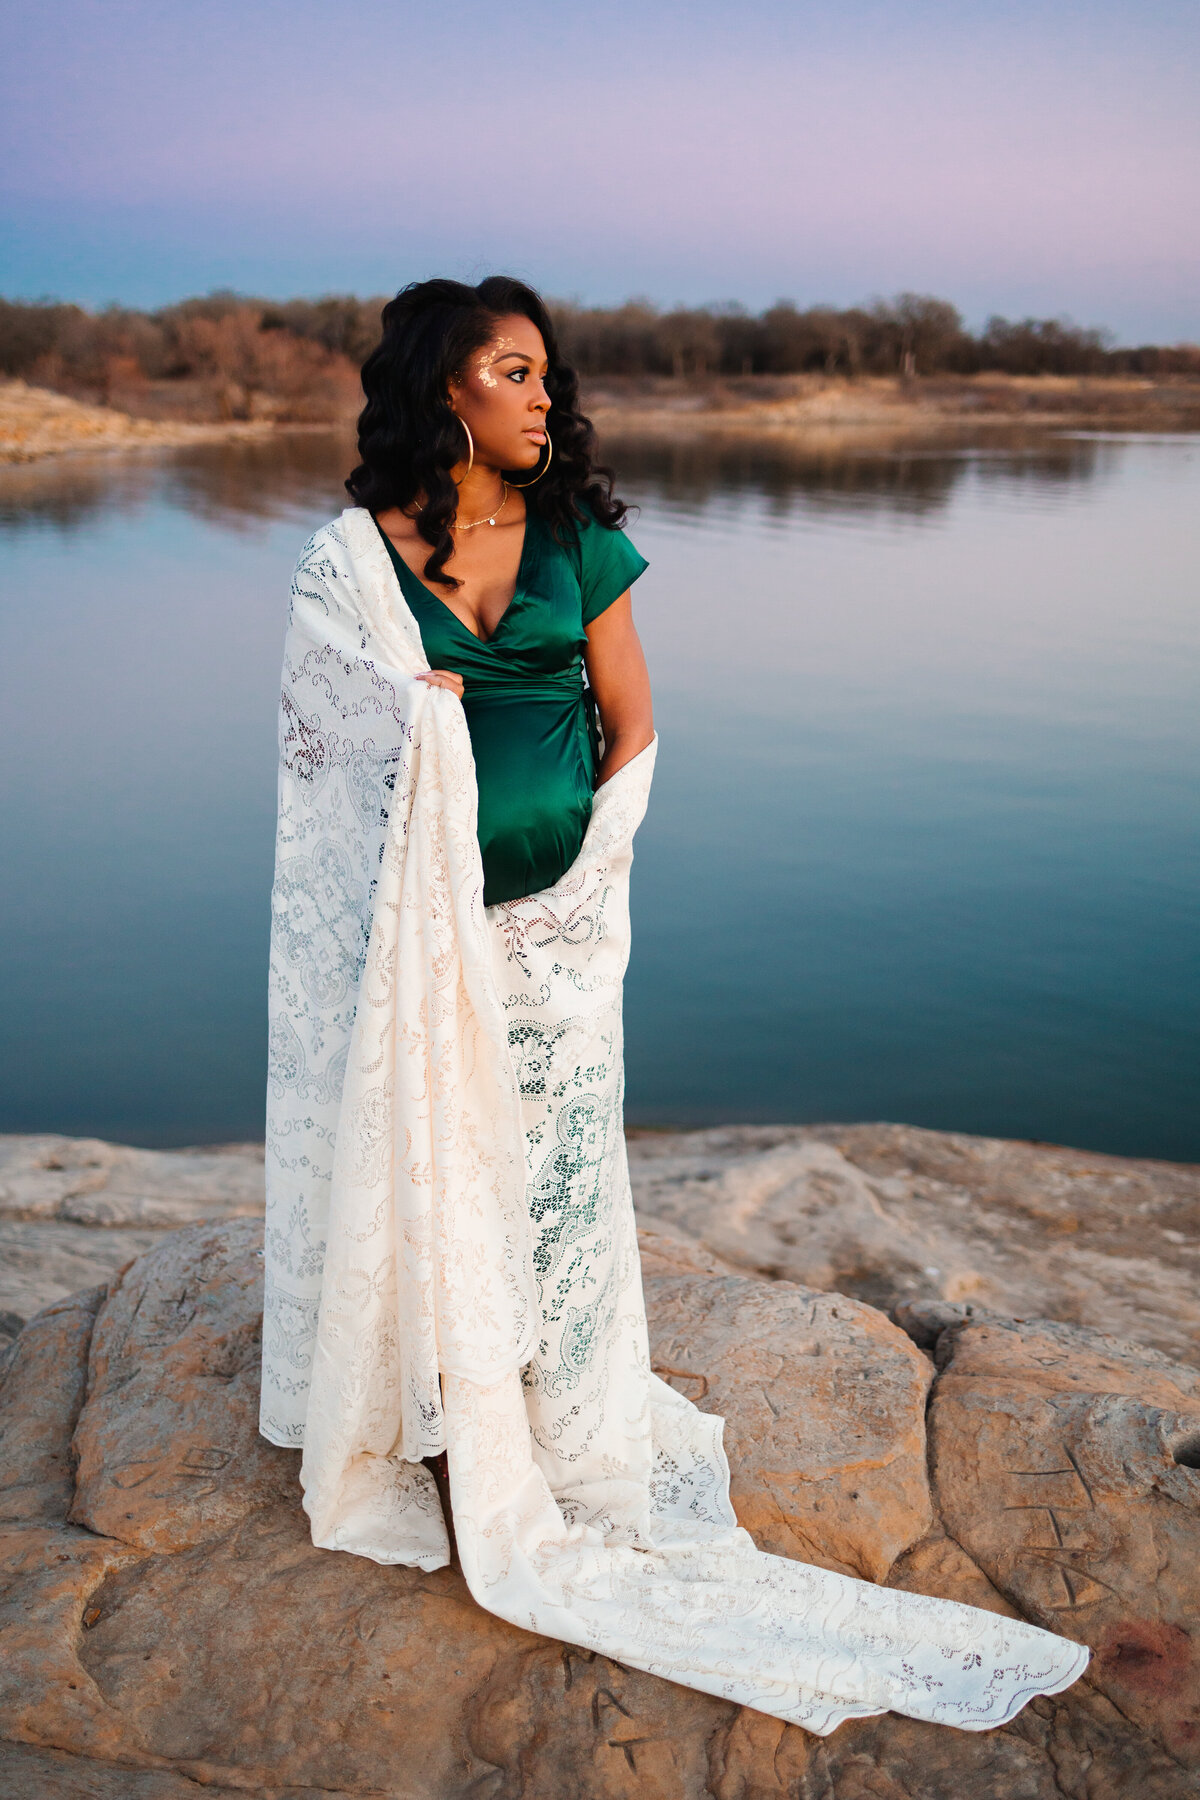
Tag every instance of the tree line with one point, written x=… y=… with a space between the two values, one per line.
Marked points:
x=300 y=358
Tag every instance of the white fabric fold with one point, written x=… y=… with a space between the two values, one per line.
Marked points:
x=451 y=1256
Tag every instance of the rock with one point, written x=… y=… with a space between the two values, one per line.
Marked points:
x=824 y=1402
x=192 y=1638
x=44 y=1261
x=55 y=1775
x=74 y=1211
x=665 y=1250
x=41 y=1392
x=35 y=422
x=52 y=1575
x=894 y=1215
x=166 y=1621
x=168 y=1448
x=1067 y=1466
x=93 y=1183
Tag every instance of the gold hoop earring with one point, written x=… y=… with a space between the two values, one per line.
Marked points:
x=542 y=470
x=470 y=445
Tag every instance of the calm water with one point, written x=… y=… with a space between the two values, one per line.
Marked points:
x=925 y=831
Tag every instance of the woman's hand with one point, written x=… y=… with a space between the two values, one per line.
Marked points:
x=443 y=678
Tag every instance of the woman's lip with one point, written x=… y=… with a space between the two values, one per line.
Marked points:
x=535 y=431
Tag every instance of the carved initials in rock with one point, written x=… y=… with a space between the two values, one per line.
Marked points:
x=132 y=1475
x=605 y=1697
x=679 y=1379
x=204 y=1459
x=1063 y=1563
x=197 y=1463
x=604 y=1700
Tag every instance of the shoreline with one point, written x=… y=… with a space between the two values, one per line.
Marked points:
x=894 y=1216
x=805 y=411
x=37 y=423
x=813 y=409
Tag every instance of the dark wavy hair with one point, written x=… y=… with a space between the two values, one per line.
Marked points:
x=409 y=439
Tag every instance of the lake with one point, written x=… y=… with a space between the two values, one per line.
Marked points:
x=924 y=840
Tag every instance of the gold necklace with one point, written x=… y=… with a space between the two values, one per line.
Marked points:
x=488 y=518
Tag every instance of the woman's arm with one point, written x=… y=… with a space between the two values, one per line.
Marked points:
x=620 y=680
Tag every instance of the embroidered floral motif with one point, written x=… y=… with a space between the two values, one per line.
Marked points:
x=319 y=911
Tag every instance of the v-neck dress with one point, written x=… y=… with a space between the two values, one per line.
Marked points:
x=529 y=715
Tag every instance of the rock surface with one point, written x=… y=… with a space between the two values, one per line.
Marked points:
x=167 y=1627
x=824 y=1403
x=73 y=1211
x=892 y=1214
x=882 y=1213
x=1090 y=1450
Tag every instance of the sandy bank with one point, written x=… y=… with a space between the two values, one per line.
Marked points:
x=35 y=422
x=815 y=408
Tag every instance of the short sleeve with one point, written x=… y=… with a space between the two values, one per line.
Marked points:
x=608 y=565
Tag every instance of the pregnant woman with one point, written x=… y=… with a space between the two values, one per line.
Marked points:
x=451 y=1261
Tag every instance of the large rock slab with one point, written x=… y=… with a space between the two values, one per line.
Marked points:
x=892 y=1214
x=47 y=1603
x=89 y=1182
x=1067 y=1465
x=193 y=1635
x=824 y=1403
x=30 y=1774
x=74 y=1211
x=43 y=1381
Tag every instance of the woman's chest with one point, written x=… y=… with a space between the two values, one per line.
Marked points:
x=540 y=632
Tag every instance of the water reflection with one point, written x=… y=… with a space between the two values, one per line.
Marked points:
x=894 y=480
x=301 y=473
x=923 y=837
x=295 y=473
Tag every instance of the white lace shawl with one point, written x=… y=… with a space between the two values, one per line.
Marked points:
x=447 y=1189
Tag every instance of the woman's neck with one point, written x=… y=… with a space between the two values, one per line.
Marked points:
x=479 y=490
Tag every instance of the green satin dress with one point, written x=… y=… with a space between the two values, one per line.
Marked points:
x=530 y=718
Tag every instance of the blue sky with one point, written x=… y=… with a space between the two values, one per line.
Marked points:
x=1013 y=157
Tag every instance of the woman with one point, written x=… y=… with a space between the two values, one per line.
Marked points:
x=451 y=1262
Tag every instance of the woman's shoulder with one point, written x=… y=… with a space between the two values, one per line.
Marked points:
x=338 y=533
x=331 y=568
x=607 y=561
x=335 y=548
x=591 y=538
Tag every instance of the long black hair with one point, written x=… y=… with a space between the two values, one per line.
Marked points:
x=409 y=439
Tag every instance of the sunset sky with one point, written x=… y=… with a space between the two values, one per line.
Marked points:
x=1023 y=157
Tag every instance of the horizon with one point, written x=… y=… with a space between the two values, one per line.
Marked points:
x=973 y=327
x=1021 y=162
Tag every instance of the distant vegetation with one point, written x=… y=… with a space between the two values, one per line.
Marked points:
x=233 y=357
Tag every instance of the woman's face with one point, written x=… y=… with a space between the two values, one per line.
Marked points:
x=502 y=396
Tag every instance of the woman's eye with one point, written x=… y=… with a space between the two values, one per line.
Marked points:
x=516 y=374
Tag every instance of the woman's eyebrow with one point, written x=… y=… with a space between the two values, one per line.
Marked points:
x=521 y=353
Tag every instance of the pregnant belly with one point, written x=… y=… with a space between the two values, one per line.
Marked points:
x=534 y=772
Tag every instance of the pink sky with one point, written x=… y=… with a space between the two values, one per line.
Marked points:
x=1012 y=157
